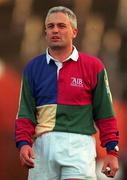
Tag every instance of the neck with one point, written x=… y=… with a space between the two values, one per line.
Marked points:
x=60 y=53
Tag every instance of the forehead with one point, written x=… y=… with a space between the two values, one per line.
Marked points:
x=58 y=17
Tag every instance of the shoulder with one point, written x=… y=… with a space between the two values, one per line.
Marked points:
x=35 y=63
x=37 y=60
x=91 y=61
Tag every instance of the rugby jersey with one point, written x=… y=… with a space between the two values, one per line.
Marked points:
x=73 y=101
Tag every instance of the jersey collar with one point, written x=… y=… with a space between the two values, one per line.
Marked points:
x=74 y=56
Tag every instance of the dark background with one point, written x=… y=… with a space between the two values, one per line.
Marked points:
x=102 y=33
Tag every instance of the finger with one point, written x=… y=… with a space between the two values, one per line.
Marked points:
x=26 y=157
x=27 y=166
x=106 y=170
x=110 y=172
x=26 y=160
x=32 y=155
x=27 y=163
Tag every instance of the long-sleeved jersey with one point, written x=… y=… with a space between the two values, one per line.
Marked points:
x=75 y=101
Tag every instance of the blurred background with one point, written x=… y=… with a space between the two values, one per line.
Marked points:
x=102 y=33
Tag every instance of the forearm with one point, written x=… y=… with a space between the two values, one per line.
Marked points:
x=108 y=130
x=24 y=131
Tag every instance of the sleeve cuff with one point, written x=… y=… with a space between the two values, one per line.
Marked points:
x=111 y=145
x=21 y=143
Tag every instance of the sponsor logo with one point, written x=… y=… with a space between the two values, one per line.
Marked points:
x=77 y=82
x=107 y=85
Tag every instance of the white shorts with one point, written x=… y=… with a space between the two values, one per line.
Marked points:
x=60 y=156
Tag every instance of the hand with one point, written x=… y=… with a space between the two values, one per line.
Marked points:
x=27 y=156
x=112 y=163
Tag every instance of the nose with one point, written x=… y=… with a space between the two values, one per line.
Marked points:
x=55 y=29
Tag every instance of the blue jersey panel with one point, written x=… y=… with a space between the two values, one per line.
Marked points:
x=42 y=78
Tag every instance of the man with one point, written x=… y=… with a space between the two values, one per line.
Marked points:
x=64 y=92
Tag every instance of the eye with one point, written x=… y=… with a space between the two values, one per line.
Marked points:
x=62 y=25
x=50 y=26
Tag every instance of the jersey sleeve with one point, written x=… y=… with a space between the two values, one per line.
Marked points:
x=103 y=111
x=26 y=117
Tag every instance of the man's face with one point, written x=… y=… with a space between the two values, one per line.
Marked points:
x=59 y=31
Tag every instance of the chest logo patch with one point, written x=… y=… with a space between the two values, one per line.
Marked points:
x=77 y=82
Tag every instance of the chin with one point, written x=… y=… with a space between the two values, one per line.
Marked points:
x=56 y=47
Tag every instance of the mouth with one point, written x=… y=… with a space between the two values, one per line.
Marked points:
x=55 y=38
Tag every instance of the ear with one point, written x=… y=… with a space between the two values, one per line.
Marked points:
x=75 y=32
x=45 y=31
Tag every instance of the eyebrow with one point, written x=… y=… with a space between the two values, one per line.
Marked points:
x=58 y=24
